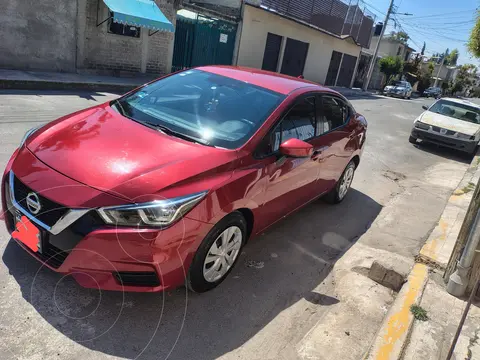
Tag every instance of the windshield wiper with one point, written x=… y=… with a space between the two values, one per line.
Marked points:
x=171 y=132
x=119 y=107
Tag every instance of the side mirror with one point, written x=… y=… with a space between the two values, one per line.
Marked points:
x=296 y=148
x=424 y=107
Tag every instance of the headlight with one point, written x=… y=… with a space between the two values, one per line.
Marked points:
x=28 y=134
x=465 y=136
x=421 y=125
x=155 y=213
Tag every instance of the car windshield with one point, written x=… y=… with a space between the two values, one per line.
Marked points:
x=433 y=89
x=457 y=111
x=202 y=107
x=400 y=83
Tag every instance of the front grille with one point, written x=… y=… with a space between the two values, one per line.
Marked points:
x=131 y=278
x=52 y=256
x=50 y=213
x=437 y=129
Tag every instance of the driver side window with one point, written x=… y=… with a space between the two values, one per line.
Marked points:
x=298 y=123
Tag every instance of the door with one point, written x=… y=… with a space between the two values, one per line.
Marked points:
x=294 y=57
x=290 y=181
x=336 y=141
x=202 y=41
x=346 y=70
x=333 y=68
x=271 y=53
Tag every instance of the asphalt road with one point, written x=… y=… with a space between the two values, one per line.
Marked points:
x=267 y=305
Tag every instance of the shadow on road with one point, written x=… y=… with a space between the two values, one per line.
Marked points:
x=275 y=270
x=444 y=152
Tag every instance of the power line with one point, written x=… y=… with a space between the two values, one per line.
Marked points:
x=449 y=14
x=373 y=7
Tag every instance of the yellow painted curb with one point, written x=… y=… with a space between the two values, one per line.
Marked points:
x=431 y=248
x=392 y=337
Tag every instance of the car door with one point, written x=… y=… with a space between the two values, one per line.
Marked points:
x=290 y=181
x=335 y=143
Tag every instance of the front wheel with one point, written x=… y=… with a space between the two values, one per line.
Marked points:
x=338 y=193
x=218 y=253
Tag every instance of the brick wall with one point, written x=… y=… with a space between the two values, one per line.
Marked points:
x=114 y=54
x=160 y=45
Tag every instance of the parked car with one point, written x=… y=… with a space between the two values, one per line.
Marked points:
x=171 y=180
x=435 y=92
x=401 y=89
x=454 y=123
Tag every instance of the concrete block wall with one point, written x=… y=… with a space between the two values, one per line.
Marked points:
x=38 y=34
x=113 y=54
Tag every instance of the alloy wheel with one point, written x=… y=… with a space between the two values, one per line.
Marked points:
x=346 y=182
x=222 y=254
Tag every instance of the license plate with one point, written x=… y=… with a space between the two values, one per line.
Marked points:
x=27 y=233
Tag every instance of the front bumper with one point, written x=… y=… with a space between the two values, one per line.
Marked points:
x=98 y=255
x=395 y=93
x=442 y=140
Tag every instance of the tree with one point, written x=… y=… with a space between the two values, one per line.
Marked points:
x=391 y=66
x=452 y=58
x=401 y=36
x=465 y=78
x=425 y=77
x=473 y=44
x=423 y=48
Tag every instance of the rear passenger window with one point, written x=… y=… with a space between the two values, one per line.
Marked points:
x=332 y=114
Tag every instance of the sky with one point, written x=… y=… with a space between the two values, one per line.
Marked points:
x=441 y=24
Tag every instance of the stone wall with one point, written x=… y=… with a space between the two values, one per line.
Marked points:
x=38 y=34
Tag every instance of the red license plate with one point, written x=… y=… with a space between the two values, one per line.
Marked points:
x=27 y=233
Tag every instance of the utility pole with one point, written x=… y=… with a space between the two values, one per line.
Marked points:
x=374 y=57
x=438 y=72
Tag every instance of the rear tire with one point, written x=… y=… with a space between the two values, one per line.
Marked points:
x=340 y=191
x=412 y=140
x=199 y=278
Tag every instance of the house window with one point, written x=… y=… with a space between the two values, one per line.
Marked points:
x=120 y=29
x=399 y=50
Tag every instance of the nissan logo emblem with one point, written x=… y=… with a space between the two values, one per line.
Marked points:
x=33 y=203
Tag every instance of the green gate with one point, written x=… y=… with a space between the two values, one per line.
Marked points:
x=202 y=41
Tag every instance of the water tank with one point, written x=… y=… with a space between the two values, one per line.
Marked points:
x=378 y=29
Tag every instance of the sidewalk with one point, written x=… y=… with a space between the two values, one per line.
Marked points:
x=42 y=80
x=402 y=336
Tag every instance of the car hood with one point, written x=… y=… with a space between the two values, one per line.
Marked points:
x=100 y=148
x=449 y=123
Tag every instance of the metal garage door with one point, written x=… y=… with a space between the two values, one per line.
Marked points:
x=333 y=68
x=294 y=57
x=346 y=70
x=272 y=50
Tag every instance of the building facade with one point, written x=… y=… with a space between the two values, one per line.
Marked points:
x=81 y=35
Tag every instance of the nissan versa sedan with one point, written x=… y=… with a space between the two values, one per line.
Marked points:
x=164 y=186
x=454 y=123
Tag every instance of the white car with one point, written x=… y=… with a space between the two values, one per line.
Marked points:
x=399 y=88
x=454 y=123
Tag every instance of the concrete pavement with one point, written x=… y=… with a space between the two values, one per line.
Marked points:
x=298 y=292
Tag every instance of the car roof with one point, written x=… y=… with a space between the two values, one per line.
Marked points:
x=280 y=83
x=462 y=101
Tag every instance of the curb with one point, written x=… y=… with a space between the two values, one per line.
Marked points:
x=438 y=248
x=62 y=85
x=390 y=341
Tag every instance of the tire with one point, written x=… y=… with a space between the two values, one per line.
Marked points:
x=412 y=140
x=336 y=195
x=196 y=279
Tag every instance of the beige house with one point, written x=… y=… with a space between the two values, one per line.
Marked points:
x=302 y=49
x=389 y=46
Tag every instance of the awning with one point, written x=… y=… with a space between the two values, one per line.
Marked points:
x=143 y=13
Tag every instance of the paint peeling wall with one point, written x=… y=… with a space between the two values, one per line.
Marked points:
x=38 y=34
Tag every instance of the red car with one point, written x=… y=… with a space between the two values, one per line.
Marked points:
x=163 y=186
